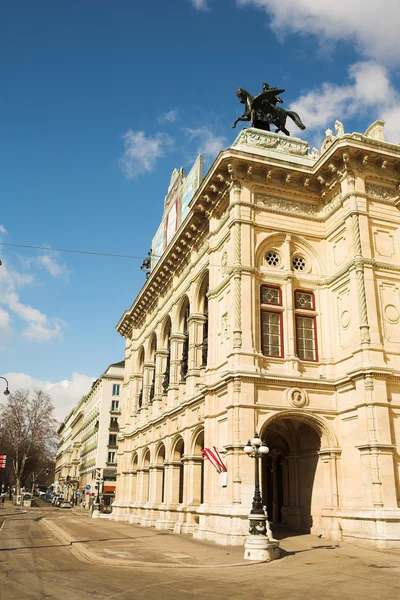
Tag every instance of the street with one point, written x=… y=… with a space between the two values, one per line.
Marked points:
x=36 y=564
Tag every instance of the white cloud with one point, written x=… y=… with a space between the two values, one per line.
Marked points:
x=44 y=332
x=200 y=4
x=369 y=91
x=372 y=26
x=209 y=144
x=37 y=326
x=48 y=262
x=142 y=152
x=64 y=394
x=3 y=230
x=169 y=117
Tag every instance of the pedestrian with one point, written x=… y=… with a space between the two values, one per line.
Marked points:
x=3 y=497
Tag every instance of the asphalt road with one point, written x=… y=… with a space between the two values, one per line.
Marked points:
x=34 y=564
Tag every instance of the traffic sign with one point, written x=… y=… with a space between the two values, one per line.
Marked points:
x=88 y=487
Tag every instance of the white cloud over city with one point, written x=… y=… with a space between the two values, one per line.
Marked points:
x=18 y=314
x=369 y=90
x=208 y=144
x=64 y=394
x=371 y=26
x=142 y=152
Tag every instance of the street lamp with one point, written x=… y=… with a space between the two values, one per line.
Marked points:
x=256 y=449
x=259 y=544
x=6 y=391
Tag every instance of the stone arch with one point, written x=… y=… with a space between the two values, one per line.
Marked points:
x=319 y=424
x=135 y=461
x=200 y=291
x=145 y=462
x=152 y=347
x=140 y=359
x=178 y=473
x=196 y=444
x=165 y=331
x=197 y=460
x=184 y=303
x=295 y=241
x=159 y=473
x=299 y=475
x=271 y=240
x=175 y=448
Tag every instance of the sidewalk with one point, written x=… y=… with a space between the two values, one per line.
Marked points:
x=10 y=509
x=121 y=544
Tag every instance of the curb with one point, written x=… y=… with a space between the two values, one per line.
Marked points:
x=79 y=550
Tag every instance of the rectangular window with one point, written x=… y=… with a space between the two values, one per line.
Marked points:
x=112 y=440
x=306 y=338
x=304 y=300
x=114 y=423
x=115 y=389
x=115 y=405
x=271 y=295
x=111 y=457
x=271 y=333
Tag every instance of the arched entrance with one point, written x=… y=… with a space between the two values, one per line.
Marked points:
x=293 y=474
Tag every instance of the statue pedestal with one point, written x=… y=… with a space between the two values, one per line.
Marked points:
x=260 y=545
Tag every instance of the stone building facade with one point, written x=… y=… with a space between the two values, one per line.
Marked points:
x=98 y=452
x=276 y=309
x=88 y=441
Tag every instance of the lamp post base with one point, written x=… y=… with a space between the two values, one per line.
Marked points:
x=96 y=511
x=260 y=545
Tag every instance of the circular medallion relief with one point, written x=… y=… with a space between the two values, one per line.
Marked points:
x=345 y=319
x=297 y=397
x=392 y=313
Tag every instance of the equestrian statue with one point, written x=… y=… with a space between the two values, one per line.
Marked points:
x=261 y=110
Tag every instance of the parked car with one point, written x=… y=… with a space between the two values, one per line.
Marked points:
x=54 y=499
x=59 y=501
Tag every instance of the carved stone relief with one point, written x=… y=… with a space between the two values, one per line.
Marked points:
x=297 y=397
x=311 y=210
x=271 y=141
x=390 y=310
x=384 y=243
x=380 y=192
x=344 y=317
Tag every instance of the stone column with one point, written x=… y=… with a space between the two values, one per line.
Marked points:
x=177 y=340
x=349 y=187
x=237 y=266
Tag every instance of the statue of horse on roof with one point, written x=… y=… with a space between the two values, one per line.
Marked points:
x=261 y=110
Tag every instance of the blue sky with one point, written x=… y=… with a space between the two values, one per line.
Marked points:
x=101 y=100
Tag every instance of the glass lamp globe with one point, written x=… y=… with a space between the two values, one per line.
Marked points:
x=263 y=449
x=256 y=440
x=6 y=392
x=248 y=448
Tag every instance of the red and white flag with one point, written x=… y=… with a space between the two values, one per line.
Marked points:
x=214 y=457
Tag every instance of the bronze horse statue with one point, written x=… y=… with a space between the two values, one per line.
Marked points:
x=261 y=110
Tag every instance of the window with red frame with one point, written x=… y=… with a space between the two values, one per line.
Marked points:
x=271 y=321
x=306 y=329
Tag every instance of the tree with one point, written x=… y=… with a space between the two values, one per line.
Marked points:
x=28 y=430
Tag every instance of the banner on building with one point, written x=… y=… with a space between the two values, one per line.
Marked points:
x=215 y=459
x=181 y=190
